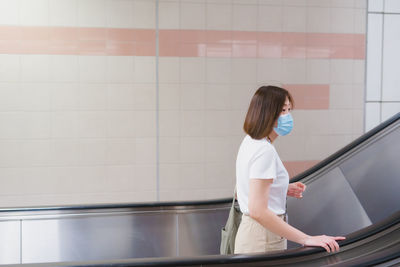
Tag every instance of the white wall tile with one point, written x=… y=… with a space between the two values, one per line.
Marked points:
x=217 y=176
x=218 y=149
x=92 y=13
x=360 y=4
x=193 y=70
x=219 y=16
x=319 y=3
x=294 y=71
x=192 y=149
x=120 y=178
x=358 y=121
x=342 y=3
x=219 y=70
x=389 y=109
x=318 y=19
x=12 y=123
x=341 y=71
x=244 y=70
x=92 y=96
x=218 y=96
x=33 y=13
x=359 y=71
x=64 y=96
x=144 y=12
x=9 y=14
x=64 y=124
x=192 y=123
x=10 y=68
x=63 y=13
x=269 y=69
x=245 y=17
x=35 y=96
x=217 y=123
x=35 y=153
x=145 y=70
x=391 y=57
x=36 y=125
x=35 y=68
x=269 y=18
x=341 y=96
x=64 y=68
x=120 y=151
x=64 y=153
x=145 y=151
x=342 y=20
x=375 y=5
x=360 y=21
x=145 y=96
x=10 y=97
x=145 y=123
x=120 y=69
x=121 y=124
x=169 y=15
x=119 y=13
x=317 y=71
x=92 y=124
x=170 y=149
x=392 y=6
x=10 y=154
x=294 y=19
x=169 y=178
x=372 y=115
x=120 y=96
x=241 y=95
x=169 y=96
x=92 y=152
x=92 y=68
x=169 y=123
x=192 y=176
x=193 y=15
x=374 y=57
x=192 y=96
x=169 y=70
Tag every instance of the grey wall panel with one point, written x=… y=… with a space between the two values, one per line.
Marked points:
x=374 y=174
x=10 y=237
x=99 y=238
x=329 y=206
x=200 y=232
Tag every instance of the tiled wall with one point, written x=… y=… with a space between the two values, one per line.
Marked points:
x=144 y=100
x=383 y=56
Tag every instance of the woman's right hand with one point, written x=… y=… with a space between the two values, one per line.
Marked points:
x=327 y=242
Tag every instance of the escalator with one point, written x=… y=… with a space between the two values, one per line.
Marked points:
x=354 y=193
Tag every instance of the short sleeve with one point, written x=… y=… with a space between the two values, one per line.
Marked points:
x=263 y=165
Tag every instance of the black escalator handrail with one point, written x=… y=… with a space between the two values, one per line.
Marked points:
x=120 y=206
x=347 y=148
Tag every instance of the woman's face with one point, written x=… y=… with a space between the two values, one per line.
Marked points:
x=287 y=107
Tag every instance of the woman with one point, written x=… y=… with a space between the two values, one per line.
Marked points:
x=263 y=182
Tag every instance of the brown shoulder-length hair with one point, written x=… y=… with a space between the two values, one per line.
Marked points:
x=265 y=108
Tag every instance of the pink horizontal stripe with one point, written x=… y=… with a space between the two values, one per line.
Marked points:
x=179 y=43
x=309 y=96
x=77 y=41
x=297 y=167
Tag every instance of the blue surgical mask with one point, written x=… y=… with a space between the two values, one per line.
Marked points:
x=285 y=124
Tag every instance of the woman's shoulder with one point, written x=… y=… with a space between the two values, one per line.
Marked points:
x=258 y=145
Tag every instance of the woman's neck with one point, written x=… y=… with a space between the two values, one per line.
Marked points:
x=272 y=136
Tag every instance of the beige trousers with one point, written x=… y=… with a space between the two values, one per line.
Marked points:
x=252 y=237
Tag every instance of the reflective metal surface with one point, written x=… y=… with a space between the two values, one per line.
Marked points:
x=374 y=175
x=358 y=188
x=10 y=246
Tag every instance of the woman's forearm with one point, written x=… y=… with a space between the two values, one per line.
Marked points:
x=273 y=223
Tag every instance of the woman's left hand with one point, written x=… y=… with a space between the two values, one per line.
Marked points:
x=296 y=189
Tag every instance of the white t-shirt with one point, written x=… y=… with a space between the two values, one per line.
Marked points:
x=258 y=159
